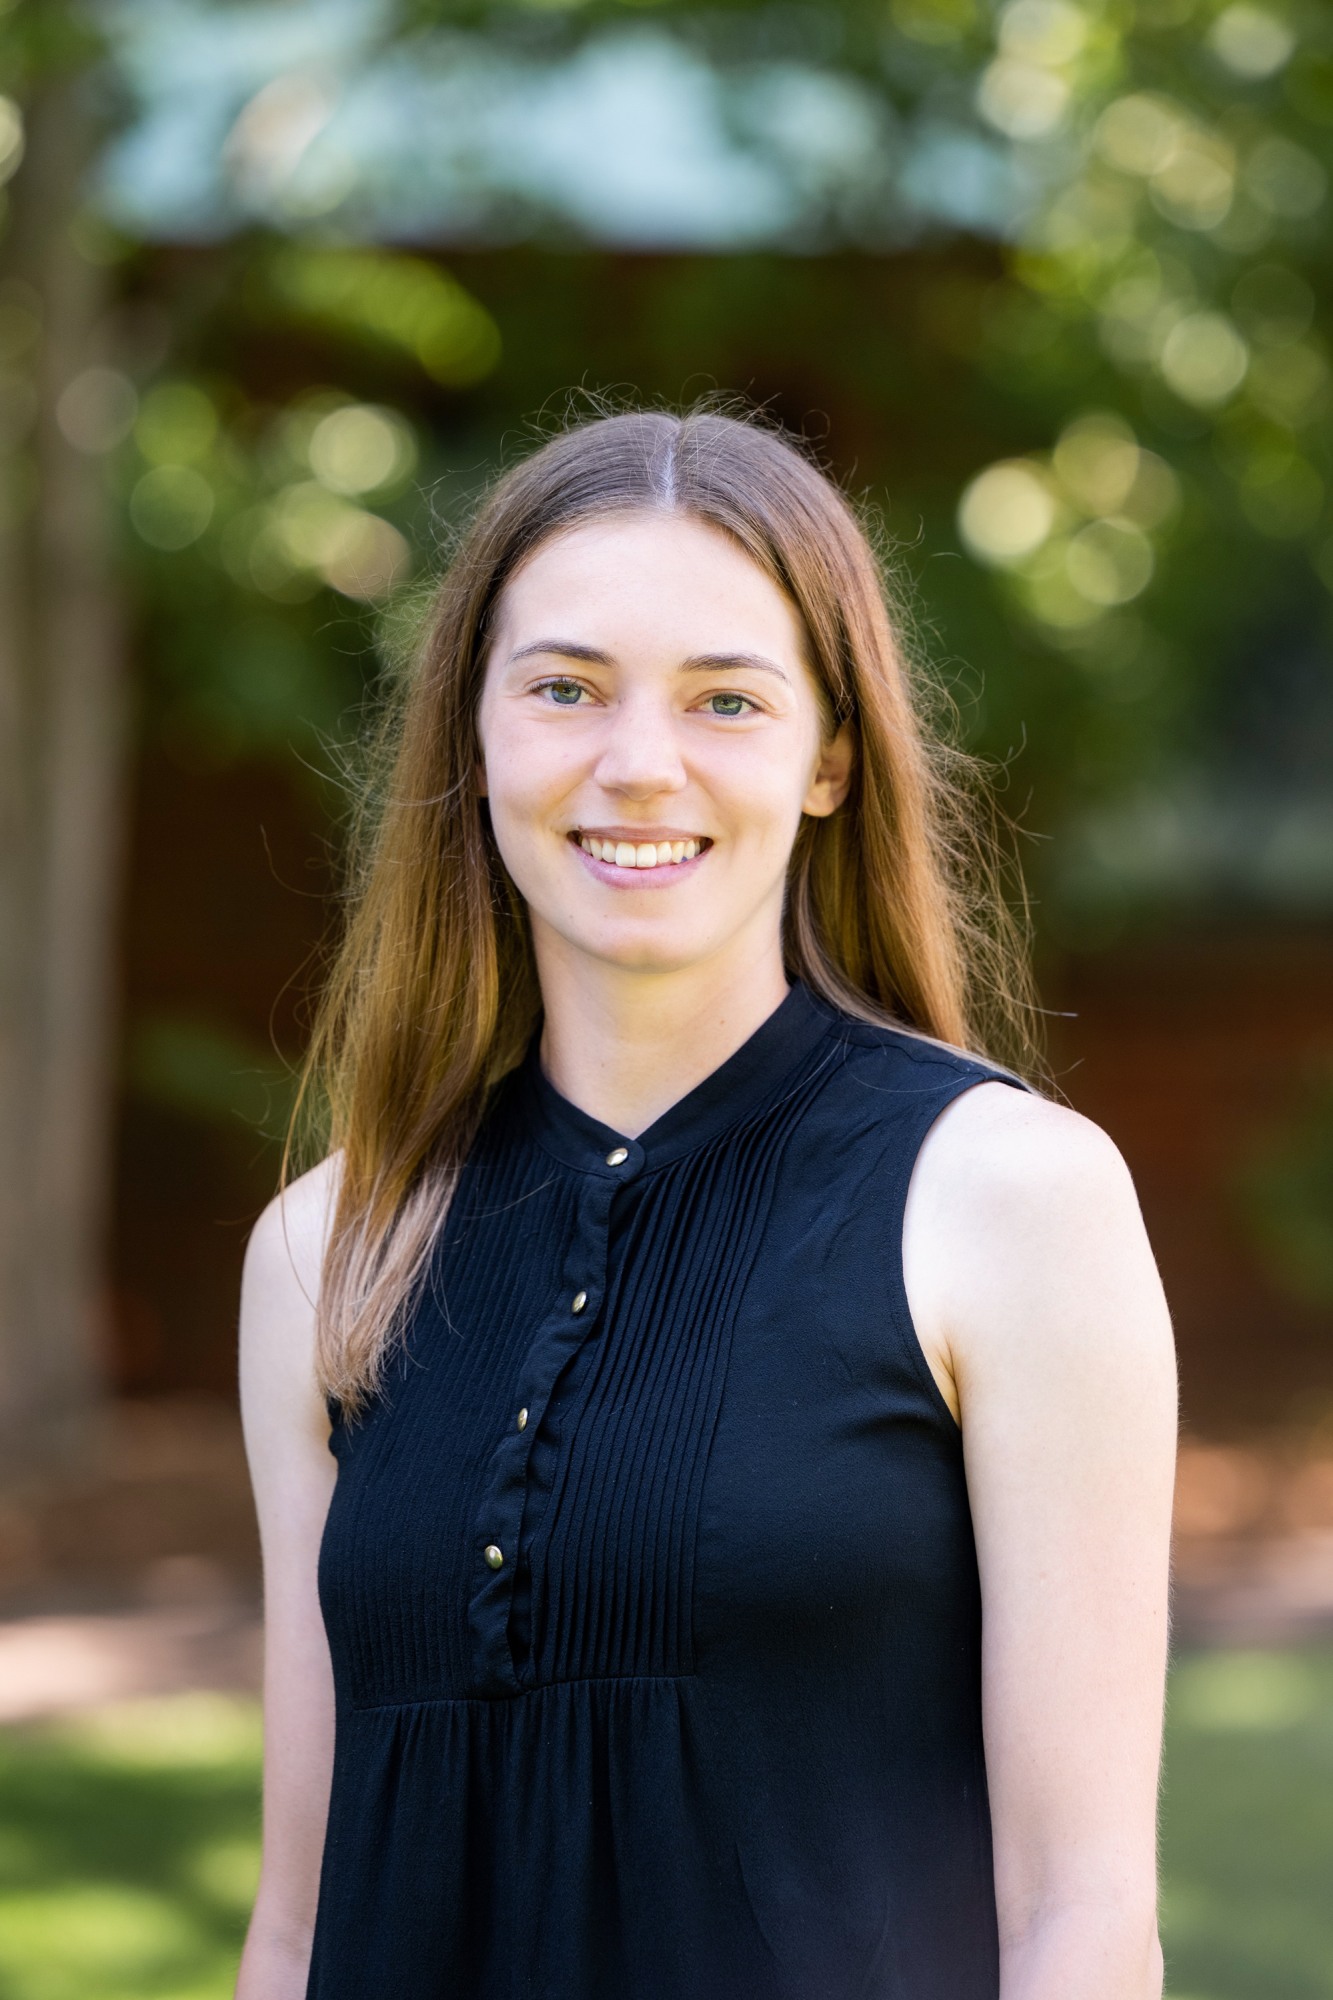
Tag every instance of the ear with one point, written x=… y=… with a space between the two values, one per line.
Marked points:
x=833 y=774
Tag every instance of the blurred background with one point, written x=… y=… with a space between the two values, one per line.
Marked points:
x=1049 y=284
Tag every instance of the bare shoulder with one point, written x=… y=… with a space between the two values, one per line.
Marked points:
x=279 y=1298
x=286 y=1247
x=1005 y=1152
x=1025 y=1247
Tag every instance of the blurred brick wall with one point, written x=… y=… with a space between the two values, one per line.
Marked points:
x=1189 y=1050
x=227 y=902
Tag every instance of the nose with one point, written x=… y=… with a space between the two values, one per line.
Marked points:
x=640 y=754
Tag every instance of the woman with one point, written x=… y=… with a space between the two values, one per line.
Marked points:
x=752 y=1405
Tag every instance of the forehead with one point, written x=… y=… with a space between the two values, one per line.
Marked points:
x=654 y=582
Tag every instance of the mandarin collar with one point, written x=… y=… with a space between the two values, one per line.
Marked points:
x=724 y=1097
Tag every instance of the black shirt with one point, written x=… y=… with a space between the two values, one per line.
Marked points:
x=649 y=1580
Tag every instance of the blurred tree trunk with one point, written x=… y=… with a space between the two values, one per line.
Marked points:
x=62 y=758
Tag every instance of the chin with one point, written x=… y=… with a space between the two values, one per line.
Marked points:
x=643 y=954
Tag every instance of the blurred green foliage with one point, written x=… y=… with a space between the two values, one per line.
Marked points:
x=1047 y=282
x=129 y=1840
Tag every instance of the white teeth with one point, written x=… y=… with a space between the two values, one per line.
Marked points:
x=639 y=854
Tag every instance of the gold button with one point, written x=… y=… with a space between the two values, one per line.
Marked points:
x=580 y=1301
x=618 y=1157
x=522 y=1419
x=494 y=1555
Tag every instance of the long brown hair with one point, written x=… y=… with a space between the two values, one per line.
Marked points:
x=896 y=910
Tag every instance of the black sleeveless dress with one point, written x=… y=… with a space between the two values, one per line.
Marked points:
x=650 y=1582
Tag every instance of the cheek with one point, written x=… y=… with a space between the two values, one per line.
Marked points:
x=758 y=784
x=528 y=771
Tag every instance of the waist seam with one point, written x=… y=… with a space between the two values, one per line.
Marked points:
x=503 y=1700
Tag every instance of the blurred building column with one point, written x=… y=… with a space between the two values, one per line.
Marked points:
x=62 y=806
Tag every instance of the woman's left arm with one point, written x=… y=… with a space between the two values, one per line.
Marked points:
x=1059 y=1341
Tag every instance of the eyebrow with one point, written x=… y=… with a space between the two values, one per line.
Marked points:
x=698 y=663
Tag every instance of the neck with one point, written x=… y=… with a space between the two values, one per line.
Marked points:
x=625 y=1045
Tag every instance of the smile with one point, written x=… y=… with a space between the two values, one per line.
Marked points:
x=643 y=854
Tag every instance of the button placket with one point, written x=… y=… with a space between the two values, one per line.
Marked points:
x=501 y=1539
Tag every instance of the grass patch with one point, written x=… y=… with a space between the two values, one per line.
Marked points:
x=1247 y=1827
x=129 y=1846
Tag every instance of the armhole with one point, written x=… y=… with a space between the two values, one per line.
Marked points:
x=900 y=1306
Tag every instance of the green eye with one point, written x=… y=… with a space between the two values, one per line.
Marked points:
x=730 y=697
x=571 y=688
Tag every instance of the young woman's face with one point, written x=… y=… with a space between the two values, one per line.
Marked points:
x=650 y=738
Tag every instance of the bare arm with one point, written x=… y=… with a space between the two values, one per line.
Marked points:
x=292 y=1471
x=1052 y=1338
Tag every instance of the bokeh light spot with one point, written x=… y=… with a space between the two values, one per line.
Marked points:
x=1097 y=459
x=311 y=529
x=370 y=560
x=1204 y=359
x=1195 y=186
x=1138 y=133
x=1007 y=512
x=171 y=506
x=1283 y=178
x=11 y=138
x=361 y=449
x=1051 y=596
x=1109 y=562
x=1155 y=497
x=1020 y=99
x=1251 y=42
x=1043 y=31
x=96 y=410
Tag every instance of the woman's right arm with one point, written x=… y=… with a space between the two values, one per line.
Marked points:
x=292 y=1472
